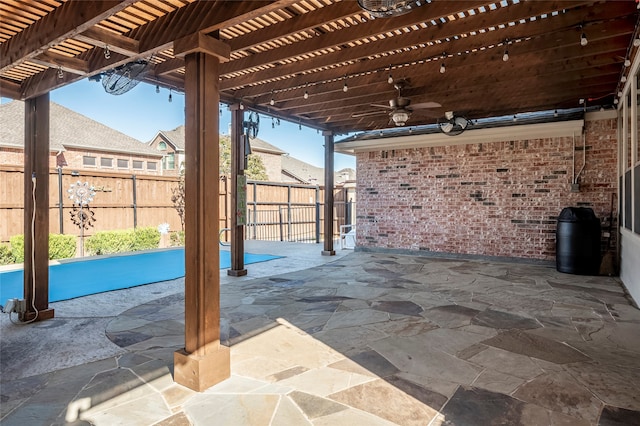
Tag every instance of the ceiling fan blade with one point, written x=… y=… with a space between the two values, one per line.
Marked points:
x=426 y=105
x=381 y=106
x=365 y=114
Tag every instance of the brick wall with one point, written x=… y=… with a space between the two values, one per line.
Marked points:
x=491 y=199
x=15 y=157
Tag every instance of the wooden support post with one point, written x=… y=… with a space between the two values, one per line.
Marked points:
x=237 y=172
x=328 y=194
x=36 y=214
x=204 y=361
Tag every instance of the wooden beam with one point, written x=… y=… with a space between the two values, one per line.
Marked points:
x=36 y=210
x=364 y=55
x=370 y=29
x=168 y=66
x=66 y=21
x=9 y=89
x=238 y=156
x=300 y=23
x=200 y=16
x=67 y=63
x=204 y=361
x=201 y=43
x=328 y=194
x=100 y=37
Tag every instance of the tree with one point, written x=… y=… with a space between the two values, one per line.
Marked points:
x=255 y=167
x=255 y=170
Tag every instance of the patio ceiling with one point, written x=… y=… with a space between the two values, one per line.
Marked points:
x=282 y=49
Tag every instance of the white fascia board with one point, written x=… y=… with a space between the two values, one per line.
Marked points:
x=496 y=134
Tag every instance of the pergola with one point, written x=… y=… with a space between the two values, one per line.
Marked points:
x=320 y=63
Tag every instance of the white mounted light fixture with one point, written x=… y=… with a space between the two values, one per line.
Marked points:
x=400 y=117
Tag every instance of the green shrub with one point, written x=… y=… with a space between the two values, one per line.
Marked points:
x=17 y=248
x=146 y=238
x=6 y=257
x=62 y=246
x=109 y=242
x=176 y=239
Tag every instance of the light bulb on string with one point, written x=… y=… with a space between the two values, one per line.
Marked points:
x=636 y=42
x=60 y=73
x=443 y=69
x=390 y=79
x=627 y=63
x=505 y=57
x=170 y=97
x=345 y=87
x=107 y=52
x=583 y=40
x=306 y=95
x=623 y=79
x=157 y=89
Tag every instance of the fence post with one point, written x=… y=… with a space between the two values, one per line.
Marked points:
x=288 y=212
x=280 y=220
x=135 y=202
x=255 y=209
x=60 y=201
x=317 y=222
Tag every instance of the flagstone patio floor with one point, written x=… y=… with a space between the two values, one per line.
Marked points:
x=358 y=339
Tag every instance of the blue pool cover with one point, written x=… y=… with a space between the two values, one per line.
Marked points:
x=77 y=278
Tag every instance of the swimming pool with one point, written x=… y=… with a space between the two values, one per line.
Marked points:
x=80 y=277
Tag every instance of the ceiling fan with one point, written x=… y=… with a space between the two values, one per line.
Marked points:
x=452 y=125
x=399 y=108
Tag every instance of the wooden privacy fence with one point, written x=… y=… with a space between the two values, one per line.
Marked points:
x=276 y=211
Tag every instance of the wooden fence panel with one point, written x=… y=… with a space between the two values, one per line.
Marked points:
x=286 y=211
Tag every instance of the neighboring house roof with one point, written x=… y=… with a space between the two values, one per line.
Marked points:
x=69 y=129
x=301 y=171
x=175 y=137
x=260 y=145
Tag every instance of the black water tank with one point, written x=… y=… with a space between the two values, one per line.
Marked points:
x=578 y=241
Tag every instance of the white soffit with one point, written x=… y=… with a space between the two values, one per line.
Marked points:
x=471 y=136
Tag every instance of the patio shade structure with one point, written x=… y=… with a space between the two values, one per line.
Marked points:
x=324 y=64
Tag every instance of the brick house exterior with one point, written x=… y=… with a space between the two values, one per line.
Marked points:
x=77 y=143
x=494 y=198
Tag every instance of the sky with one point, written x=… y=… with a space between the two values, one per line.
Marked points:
x=141 y=113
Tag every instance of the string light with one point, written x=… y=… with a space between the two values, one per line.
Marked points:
x=107 y=52
x=157 y=89
x=60 y=73
x=241 y=106
x=505 y=57
x=170 y=97
x=555 y=113
x=306 y=94
x=623 y=79
x=345 y=87
x=443 y=69
x=627 y=63
x=583 y=40
x=636 y=42
x=273 y=123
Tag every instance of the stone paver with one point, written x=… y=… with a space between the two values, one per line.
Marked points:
x=371 y=338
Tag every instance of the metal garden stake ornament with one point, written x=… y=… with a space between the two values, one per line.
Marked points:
x=82 y=194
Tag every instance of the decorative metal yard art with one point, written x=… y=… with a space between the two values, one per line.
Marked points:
x=82 y=216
